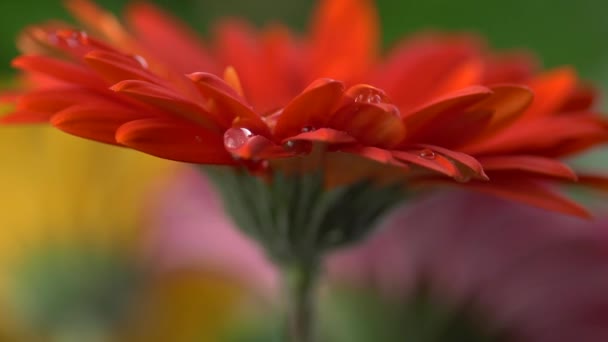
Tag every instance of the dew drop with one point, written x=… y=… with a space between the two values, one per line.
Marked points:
x=427 y=154
x=76 y=38
x=142 y=61
x=234 y=138
x=368 y=98
x=53 y=38
x=307 y=129
x=290 y=144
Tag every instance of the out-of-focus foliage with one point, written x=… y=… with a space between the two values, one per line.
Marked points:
x=560 y=31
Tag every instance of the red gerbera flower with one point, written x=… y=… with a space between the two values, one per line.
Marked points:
x=435 y=105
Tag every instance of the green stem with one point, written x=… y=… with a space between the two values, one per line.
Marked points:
x=300 y=282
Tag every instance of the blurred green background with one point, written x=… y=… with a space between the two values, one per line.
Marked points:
x=559 y=31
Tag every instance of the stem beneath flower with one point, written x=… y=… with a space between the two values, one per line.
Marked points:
x=300 y=283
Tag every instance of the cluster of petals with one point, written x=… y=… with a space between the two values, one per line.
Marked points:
x=436 y=109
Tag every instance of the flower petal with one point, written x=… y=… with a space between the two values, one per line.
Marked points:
x=418 y=70
x=345 y=39
x=61 y=70
x=453 y=102
x=537 y=136
x=533 y=164
x=114 y=67
x=58 y=98
x=507 y=103
x=156 y=30
x=25 y=117
x=227 y=104
x=530 y=192
x=326 y=135
x=166 y=100
x=311 y=109
x=468 y=166
x=430 y=160
x=93 y=122
x=100 y=21
x=174 y=140
x=258 y=147
x=371 y=124
x=595 y=181
x=551 y=91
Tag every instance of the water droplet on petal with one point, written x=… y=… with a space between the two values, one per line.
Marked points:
x=307 y=129
x=290 y=144
x=234 y=138
x=142 y=61
x=427 y=154
x=367 y=94
x=53 y=38
x=76 y=38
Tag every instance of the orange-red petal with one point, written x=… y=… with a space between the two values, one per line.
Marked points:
x=326 y=135
x=93 y=122
x=453 y=102
x=227 y=105
x=530 y=164
x=345 y=39
x=530 y=192
x=370 y=123
x=174 y=140
x=157 y=31
x=551 y=90
x=311 y=109
x=167 y=100
x=61 y=70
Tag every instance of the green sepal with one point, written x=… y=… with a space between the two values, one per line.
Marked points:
x=295 y=218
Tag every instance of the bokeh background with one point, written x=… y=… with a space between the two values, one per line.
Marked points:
x=104 y=244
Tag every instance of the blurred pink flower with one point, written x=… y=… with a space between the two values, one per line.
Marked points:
x=190 y=229
x=538 y=275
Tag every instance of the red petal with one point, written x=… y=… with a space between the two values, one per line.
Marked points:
x=453 y=102
x=377 y=154
x=345 y=38
x=102 y=22
x=60 y=70
x=55 y=99
x=594 y=181
x=259 y=147
x=507 y=103
x=166 y=100
x=114 y=67
x=93 y=122
x=157 y=31
x=532 y=164
x=430 y=160
x=535 y=137
x=174 y=140
x=326 y=135
x=25 y=117
x=517 y=67
x=415 y=72
x=530 y=192
x=371 y=124
x=468 y=166
x=551 y=90
x=312 y=108
x=465 y=75
x=227 y=104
